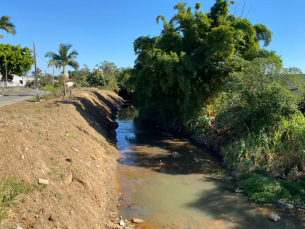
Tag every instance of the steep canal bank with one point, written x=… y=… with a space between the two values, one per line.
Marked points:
x=171 y=182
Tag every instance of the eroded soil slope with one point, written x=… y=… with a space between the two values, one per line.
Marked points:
x=72 y=145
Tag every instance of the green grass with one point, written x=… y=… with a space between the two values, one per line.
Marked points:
x=62 y=176
x=73 y=137
x=262 y=189
x=49 y=88
x=10 y=188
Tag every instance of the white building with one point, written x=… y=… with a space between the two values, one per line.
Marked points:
x=18 y=81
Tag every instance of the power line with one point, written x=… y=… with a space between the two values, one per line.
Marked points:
x=42 y=59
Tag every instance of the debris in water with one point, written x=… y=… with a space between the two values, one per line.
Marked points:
x=176 y=155
x=274 y=217
x=134 y=220
x=133 y=207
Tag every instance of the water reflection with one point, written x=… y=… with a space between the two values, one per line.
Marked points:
x=182 y=192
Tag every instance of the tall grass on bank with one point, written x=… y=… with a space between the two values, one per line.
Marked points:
x=281 y=151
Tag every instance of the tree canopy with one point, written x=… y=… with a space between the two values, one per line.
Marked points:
x=177 y=72
x=6 y=25
x=17 y=60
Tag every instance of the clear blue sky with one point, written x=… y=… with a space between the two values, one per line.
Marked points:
x=105 y=30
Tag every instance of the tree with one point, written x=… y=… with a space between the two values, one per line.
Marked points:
x=109 y=76
x=15 y=59
x=6 y=25
x=39 y=73
x=63 y=59
x=177 y=72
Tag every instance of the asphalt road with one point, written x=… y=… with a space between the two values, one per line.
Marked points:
x=11 y=97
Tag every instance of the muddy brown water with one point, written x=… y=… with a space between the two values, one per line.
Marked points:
x=183 y=192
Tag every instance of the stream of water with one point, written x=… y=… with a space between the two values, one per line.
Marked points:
x=172 y=182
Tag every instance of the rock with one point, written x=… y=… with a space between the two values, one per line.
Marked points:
x=19 y=228
x=42 y=181
x=69 y=159
x=239 y=190
x=22 y=156
x=68 y=179
x=134 y=220
x=122 y=223
x=282 y=204
x=274 y=217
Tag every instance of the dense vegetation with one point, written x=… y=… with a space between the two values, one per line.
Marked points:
x=210 y=73
x=15 y=60
x=105 y=75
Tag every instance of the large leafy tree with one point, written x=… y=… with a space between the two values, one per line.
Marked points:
x=15 y=59
x=63 y=59
x=6 y=25
x=177 y=72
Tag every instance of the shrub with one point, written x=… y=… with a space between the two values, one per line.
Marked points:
x=264 y=189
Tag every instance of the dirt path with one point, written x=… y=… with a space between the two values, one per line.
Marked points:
x=70 y=144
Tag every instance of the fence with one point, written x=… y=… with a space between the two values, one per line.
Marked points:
x=10 y=84
x=59 y=93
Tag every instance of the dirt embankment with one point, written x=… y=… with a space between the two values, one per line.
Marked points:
x=70 y=144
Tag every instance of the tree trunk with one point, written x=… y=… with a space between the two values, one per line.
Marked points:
x=64 y=80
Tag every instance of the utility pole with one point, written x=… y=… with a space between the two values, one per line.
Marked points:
x=6 y=76
x=37 y=94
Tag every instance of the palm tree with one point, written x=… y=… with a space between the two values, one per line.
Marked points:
x=39 y=72
x=63 y=59
x=6 y=25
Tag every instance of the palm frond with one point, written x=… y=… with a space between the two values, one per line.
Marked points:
x=73 y=54
x=73 y=64
x=6 y=25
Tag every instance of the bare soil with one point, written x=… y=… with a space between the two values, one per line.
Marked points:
x=36 y=139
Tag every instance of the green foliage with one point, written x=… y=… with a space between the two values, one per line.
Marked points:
x=124 y=79
x=95 y=78
x=109 y=75
x=9 y=190
x=17 y=60
x=63 y=59
x=263 y=189
x=176 y=73
x=7 y=26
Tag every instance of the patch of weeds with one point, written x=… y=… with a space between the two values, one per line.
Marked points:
x=59 y=151
x=40 y=132
x=17 y=116
x=52 y=158
x=62 y=176
x=48 y=138
x=263 y=189
x=73 y=137
x=39 y=187
x=31 y=100
x=9 y=190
